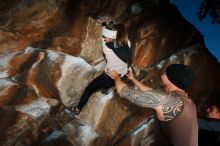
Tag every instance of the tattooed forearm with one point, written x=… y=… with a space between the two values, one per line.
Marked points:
x=172 y=107
x=149 y=99
x=172 y=104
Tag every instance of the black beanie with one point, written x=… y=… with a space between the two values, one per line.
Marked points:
x=180 y=75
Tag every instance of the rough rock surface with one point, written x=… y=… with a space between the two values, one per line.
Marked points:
x=51 y=49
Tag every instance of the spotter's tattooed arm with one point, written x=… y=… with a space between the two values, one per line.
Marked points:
x=167 y=106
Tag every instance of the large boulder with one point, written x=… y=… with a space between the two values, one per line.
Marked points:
x=51 y=49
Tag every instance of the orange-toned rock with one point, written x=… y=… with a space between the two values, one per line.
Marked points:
x=9 y=89
x=50 y=50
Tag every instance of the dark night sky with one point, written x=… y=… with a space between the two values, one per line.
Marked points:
x=211 y=32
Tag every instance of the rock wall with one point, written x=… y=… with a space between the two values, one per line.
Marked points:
x=51 y=49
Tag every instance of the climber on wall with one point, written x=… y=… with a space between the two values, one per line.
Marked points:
x=117 y=52
x=175 y=111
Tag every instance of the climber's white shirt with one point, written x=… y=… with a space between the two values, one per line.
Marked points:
x=113 y=61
